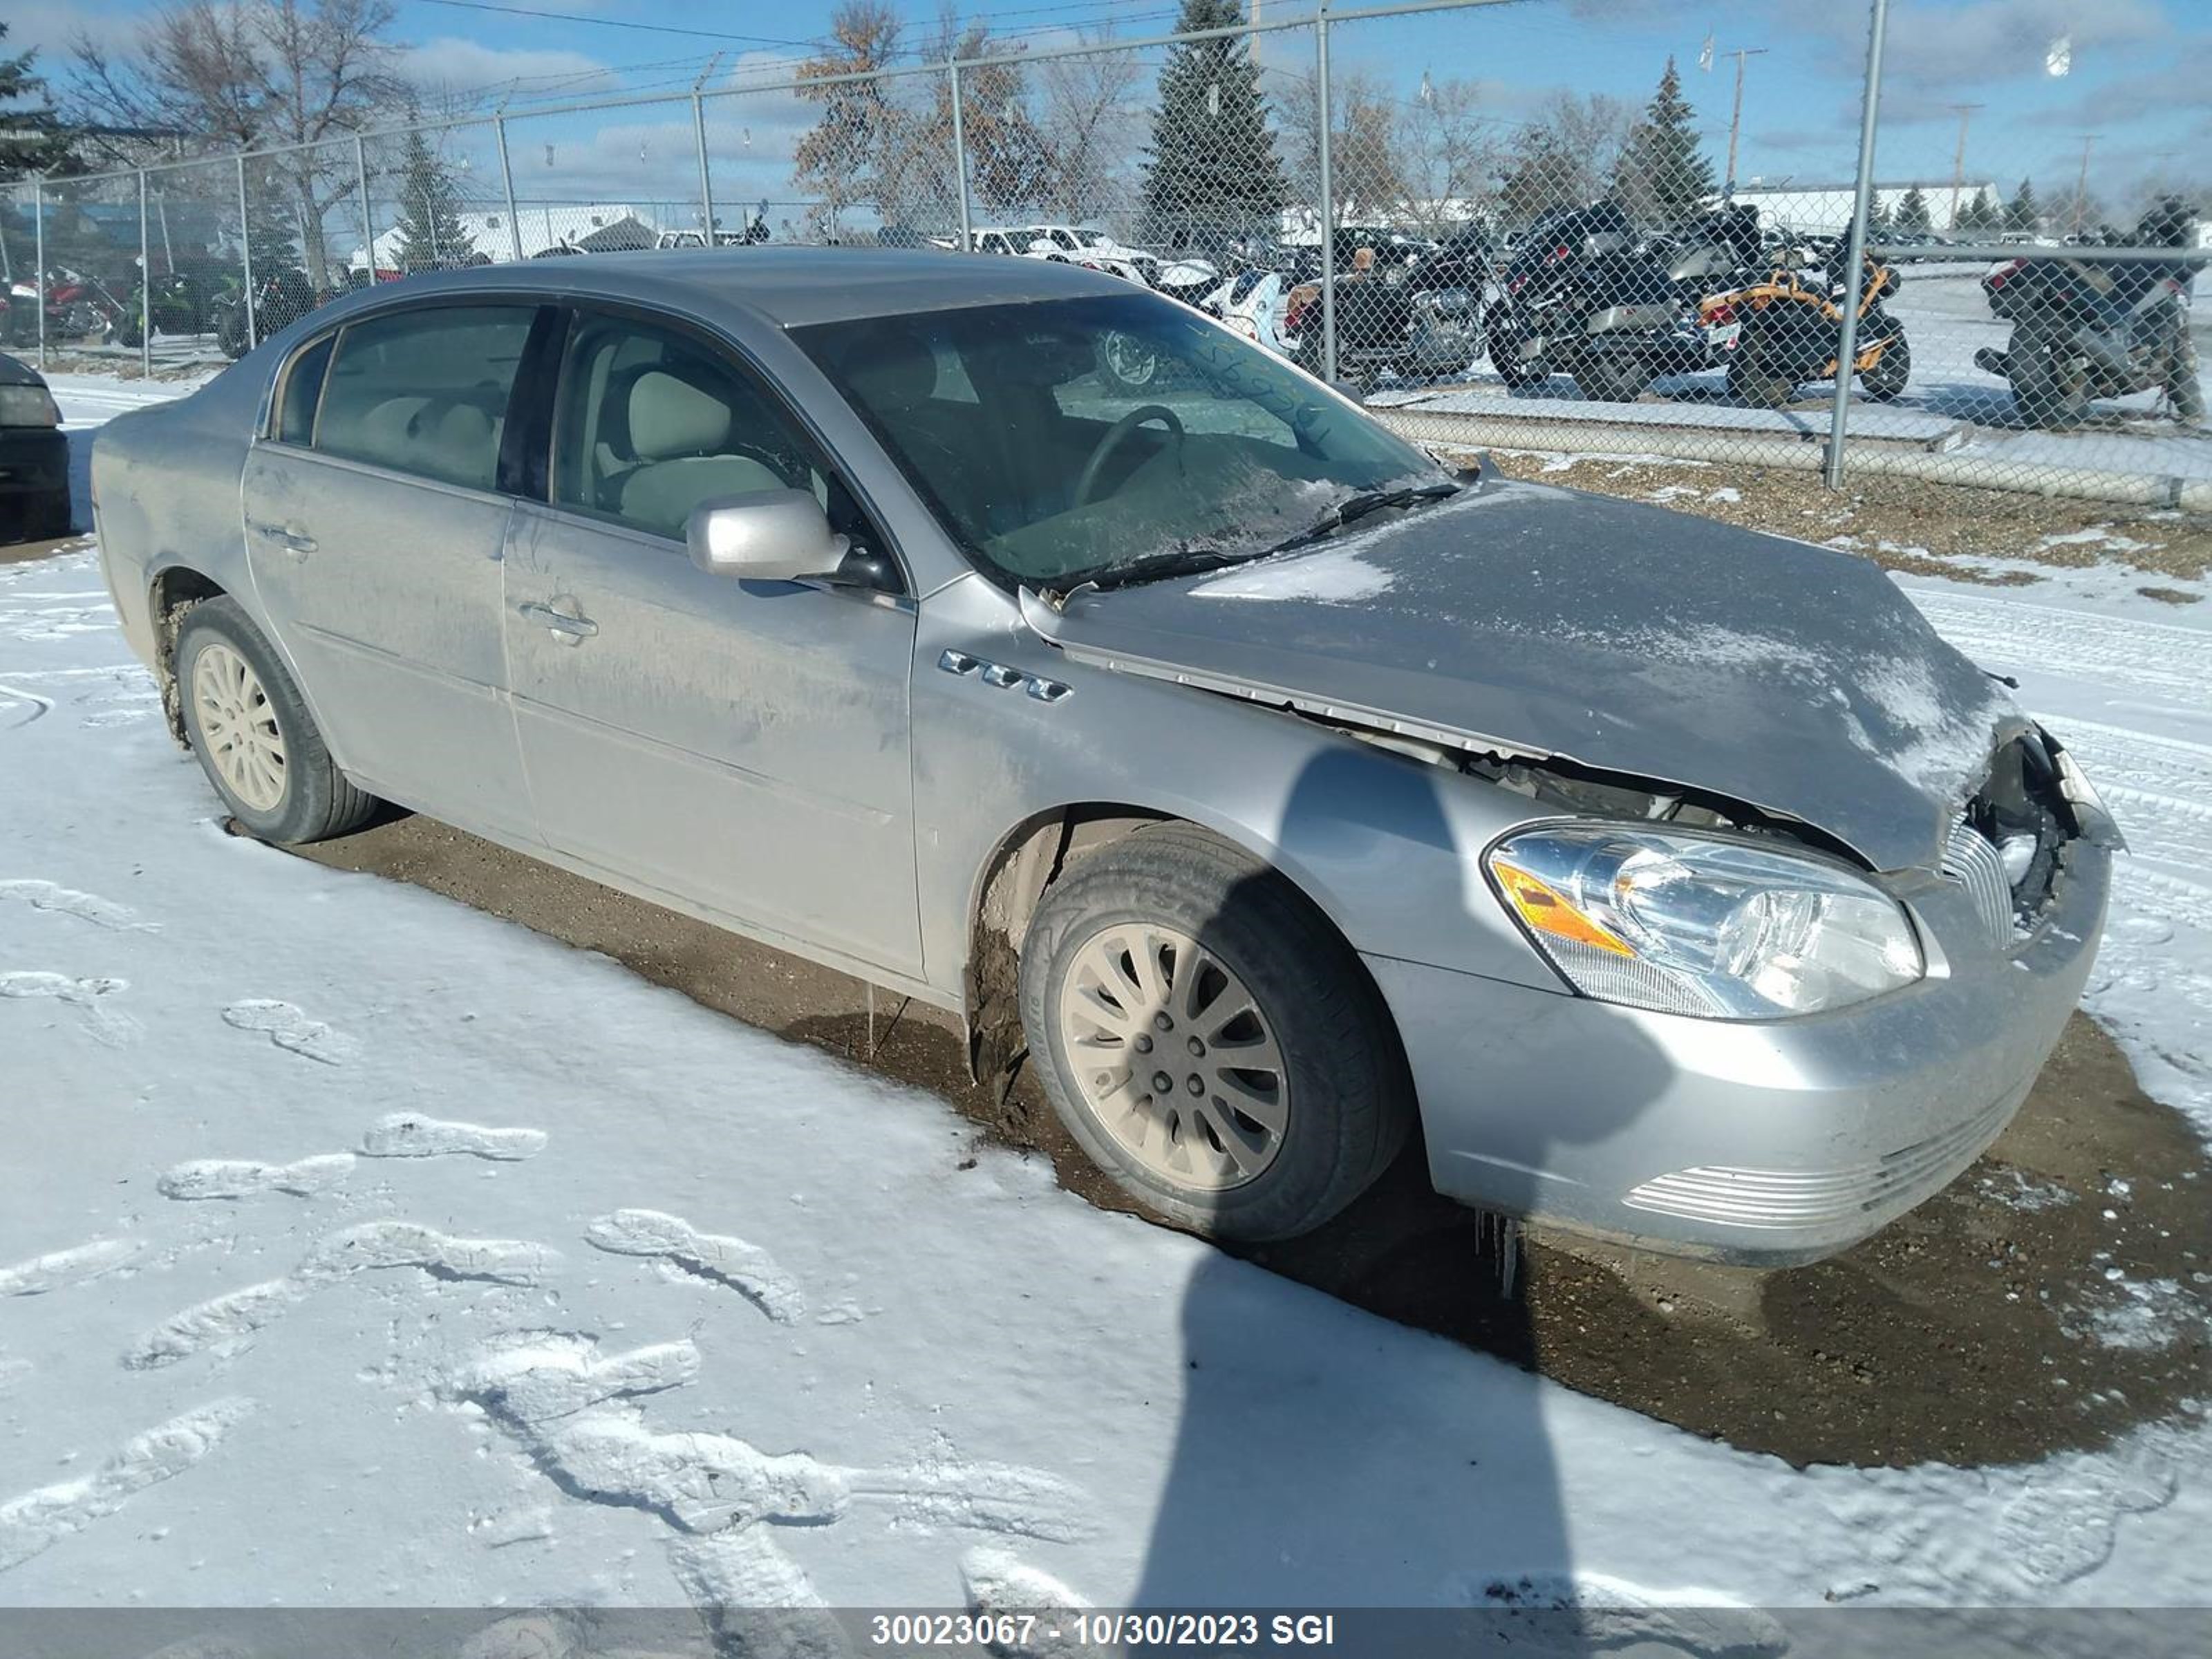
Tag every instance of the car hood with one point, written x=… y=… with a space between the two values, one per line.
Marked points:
x=1521 y=619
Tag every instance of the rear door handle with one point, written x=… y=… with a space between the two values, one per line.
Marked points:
x=294 y=541
x=564 y=627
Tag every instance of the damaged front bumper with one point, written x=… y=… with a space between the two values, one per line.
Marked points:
x=1769 y=1143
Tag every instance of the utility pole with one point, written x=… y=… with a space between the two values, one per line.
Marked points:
x=1959 y=160
x=1735 y=115
x=2081 y=185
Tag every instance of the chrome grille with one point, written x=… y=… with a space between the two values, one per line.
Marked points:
x=1976 y=866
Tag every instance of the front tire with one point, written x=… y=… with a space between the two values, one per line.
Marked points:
x=252 y=733
x=1208 y=1038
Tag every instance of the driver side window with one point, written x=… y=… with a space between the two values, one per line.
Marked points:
x=649 y=422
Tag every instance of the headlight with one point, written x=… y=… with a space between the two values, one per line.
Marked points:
x=1703 y=925
x=28 y=405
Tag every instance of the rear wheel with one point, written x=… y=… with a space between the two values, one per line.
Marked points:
x=1885 y=382
x=1209 y=1040
x=1751 y=382
x=1505 y=343
x=2050 y=383
x=251 y=730
x=1614 y=380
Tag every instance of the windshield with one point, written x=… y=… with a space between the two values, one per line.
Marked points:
x=1063 y=441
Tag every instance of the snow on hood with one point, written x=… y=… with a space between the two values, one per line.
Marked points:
x=1526 y=619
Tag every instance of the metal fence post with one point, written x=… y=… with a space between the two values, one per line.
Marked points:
x=39 y=253
x=1854 y=252
x=1327 y=198
x=960 y=159
x=368 y=213
x=706 y=177
x=145 y=287
x=246 y=256
x=506 y=182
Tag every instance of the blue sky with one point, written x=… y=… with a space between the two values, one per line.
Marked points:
x=2138 y=78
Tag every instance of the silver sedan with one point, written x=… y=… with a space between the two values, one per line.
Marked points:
x=1280 y=794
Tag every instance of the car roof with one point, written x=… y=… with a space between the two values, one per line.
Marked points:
x=785 y=287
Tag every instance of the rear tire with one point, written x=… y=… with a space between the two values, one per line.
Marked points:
x=1884 y=382
x=1125 y=972
x=1756 y=387
x=251 y=731
x=46 y=518
x=1614 y=380
x=2049 y=392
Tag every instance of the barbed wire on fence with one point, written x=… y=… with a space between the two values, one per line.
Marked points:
x=1558 y=268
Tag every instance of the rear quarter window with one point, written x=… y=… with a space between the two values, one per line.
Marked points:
x=301 y=390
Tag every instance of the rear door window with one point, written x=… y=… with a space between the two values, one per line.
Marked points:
x=425 y=391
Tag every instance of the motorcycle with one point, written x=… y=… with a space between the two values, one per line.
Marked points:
x=1783 y=330
x=179 y=305
x=2084 y=328
x=280 y=298
x=80 y=309
x=1582 y=299
x=1387 y=323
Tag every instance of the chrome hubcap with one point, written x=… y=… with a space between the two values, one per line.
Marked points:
x=239 y=726
x=1173 y=1056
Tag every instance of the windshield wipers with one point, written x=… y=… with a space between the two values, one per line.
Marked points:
x=1360 y=505
x=1176 y=562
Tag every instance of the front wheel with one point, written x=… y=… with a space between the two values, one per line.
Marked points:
x=1209 y=1040
x=252 y=733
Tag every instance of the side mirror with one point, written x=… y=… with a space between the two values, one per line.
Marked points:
x=770 y=536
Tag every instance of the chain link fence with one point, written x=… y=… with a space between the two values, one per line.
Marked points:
x=1504 y=260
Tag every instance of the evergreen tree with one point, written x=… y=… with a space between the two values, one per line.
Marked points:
x=33 y=141
x=431 y=234
x=1211 y=168
x=2023 y=212
x=1662 y=176
x=1980 y=214
x=1912 y=212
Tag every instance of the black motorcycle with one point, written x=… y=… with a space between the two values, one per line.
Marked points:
x=2085 y=328
x=280 y=298
x=1582 y=298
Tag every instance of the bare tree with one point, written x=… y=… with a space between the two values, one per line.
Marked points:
x=1564 y=156
x=221 y=74
x=1007 y=154
x=1448 y=156
x=1090 y=126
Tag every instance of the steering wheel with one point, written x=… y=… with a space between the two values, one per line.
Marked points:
x=1113 y=439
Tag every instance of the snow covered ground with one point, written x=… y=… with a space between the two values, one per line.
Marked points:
x=358 y=1248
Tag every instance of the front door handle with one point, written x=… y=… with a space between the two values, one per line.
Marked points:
x=296 y=542
x=564 y=625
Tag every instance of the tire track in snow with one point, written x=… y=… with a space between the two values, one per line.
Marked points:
x=39 y=1519
x=2009 y=634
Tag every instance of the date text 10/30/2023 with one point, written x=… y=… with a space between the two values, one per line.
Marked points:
x=1094 y=1628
